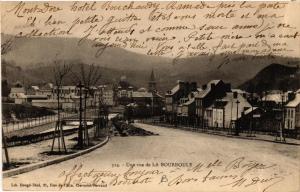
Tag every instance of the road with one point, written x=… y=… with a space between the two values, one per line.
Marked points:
x=178 y=161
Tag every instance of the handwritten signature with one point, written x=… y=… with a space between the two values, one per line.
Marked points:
x=238 y=173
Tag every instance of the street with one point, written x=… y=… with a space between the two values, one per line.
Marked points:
x=177 y=160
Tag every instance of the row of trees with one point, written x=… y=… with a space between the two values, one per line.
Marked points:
x=84 y=78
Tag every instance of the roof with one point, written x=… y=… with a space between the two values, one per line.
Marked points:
x=239 y=91
x=46 y=86
x=204 y=92
x=250 y=110
x=294 y=102
x=158 y=95
x=273 y=97
x=106 y=86
x=174 y=90
x=35 y=87
x=141 y=94
x=36 y=96
x=66 y=87
x=44 y=101
x=190 y=101
x=215 y=81
x=229 y=98
x=132 y=105
x=142 y=89
x=17 y=90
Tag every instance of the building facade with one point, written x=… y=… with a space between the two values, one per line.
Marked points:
x=175 y=98
x=292 y=113
x=213 y=90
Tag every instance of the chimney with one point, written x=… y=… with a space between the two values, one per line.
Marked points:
x=291 y=96
x=193 y=86
x=186 y=88
x=228 y=87
x=181 y=84
x=235 y=95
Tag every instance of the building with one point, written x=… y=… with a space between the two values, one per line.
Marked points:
x=106 y=93
x=124 y=92
x=17 y=94
x=186 y=110
x=46 y=90
x=65 y=91
x=145 y=103
x=213 y=90
x=292 y=113
x=175 y=97
x=127 y=94
x=253 y=119
x=152 y=83
x=225 y=112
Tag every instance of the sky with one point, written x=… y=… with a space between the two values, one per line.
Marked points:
x=14 y=22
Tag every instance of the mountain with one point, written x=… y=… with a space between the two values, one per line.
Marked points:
x=31 y=57
x=43 y=74
x=29 y=52
x=274 y=77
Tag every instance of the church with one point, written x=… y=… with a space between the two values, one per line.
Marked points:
x=146 y=102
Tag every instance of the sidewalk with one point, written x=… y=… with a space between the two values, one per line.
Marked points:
x=260 y=137
x=39 y=152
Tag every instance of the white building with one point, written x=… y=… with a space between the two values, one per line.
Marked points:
x=17 y=94
x=106 y=94
x=292 y=113
x=226 y=110
x=65 y=91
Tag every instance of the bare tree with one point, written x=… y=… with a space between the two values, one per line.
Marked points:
x=60 y=70
x=88 y=77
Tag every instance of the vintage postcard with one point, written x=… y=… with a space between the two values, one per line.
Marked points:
x=160 y=96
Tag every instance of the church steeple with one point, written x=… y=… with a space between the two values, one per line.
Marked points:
x=152 y=82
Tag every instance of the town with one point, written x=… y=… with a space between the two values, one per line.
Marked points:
x=214 y=105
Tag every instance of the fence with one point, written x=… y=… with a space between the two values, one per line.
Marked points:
x=31 y=122
x=295 y=133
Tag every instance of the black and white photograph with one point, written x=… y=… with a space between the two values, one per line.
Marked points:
x=155 y=96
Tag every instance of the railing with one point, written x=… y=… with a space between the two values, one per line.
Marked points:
x=31 y=122
x=295 y=133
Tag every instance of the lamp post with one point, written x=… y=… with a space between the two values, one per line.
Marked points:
x=80 y=139
x=282 y=138
x=237 y=115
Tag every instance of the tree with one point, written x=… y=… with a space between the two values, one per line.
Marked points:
x=60 y=70
x=88 y=77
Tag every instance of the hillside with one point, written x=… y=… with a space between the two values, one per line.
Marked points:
x=28 y=58
x=274 y=77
